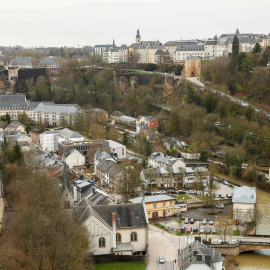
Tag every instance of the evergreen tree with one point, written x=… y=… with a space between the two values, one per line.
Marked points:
x=16 y=155
x=125 y=139
x=235 y=52
x=8 y=118
x=257 y=48
x=148 y=148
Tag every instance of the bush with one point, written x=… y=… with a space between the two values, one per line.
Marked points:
x=150 y=67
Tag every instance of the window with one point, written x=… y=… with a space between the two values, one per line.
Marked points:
x=164 y=204
x=155 y=205
x=101 y=242
x=118 y=238
x=133 y=237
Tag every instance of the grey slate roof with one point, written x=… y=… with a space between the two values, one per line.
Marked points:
x=69 y=133
x=117 y=113
x=57 y=109
x=244 y=194
x=127 y=215
x=211 y=42
x=154 y=198
x=188 y=257
x=14 y=101
x=21 y=61
x=190 y=48
x=48 y=61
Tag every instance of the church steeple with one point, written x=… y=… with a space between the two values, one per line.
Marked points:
x=113 y=43
x=138 y=37
x=65 y=178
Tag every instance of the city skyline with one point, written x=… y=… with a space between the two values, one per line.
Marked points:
x=63 y=23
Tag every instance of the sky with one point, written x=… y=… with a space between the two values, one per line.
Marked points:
x=35 y=23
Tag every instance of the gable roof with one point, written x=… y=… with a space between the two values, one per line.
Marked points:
x=244 y=194
x=127 y=215
x=66 y=132
x=14 y=101
x=155 y=198
x=57 y=109
x=48 y=61
x=117 y=113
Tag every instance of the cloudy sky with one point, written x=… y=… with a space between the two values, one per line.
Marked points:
x=90 y=22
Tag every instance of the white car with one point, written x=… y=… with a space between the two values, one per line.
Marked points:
x=161 y=259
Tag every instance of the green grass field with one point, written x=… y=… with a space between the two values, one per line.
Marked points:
x=121 y=266
x=181 y=196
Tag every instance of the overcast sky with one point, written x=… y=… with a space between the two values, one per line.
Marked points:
x=90 y=22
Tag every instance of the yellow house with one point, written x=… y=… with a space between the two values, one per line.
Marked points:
x=157 y=205
x=17 y=126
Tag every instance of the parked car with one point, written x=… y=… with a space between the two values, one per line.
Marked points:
x=147 y=193
x=236 y=222
x=192 y=221
x=228 y=195
x=220 y=180
x=208 y=230
x=225 y=182
x=216 y=196
x=186 y=220
x=172 y=191
x=221 y=196
x=220 y=206
x=192 y=192
x=211 y=222
x=201 y=229
x=195 y=229
x=183 y=229
x=214 y=230
x=189 y=229
x=162 y=192
x=161 y=259
x=204 y=222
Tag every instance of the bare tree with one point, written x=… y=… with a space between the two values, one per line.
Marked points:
x=224 y=226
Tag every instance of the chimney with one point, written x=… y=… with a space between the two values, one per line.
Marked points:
x=114 y=230
x=208 y=259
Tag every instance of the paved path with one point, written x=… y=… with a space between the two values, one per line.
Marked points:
x=163 y=243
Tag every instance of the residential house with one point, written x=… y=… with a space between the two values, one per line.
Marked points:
x=123 y=54
x=25 y=146
x=198 y=256
x=160 y=159
x=157 y=205
x=16 y=126
x=118 y=149
x=101 y=156
x=111 y=55
x=21 y=62
x=75 y=158
x=120 y=229
x=244 y=203
x=48 y=140
x=109 y=173
x=85 y=190
x=48 y=62
x=115 y=116
x=166 y=177
x=150 y=121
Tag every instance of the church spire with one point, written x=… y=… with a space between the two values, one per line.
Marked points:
x=138 y=37
x=65 y=178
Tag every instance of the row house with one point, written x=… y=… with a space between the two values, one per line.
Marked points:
x=163 y=177
x=149 y=121
x=159 y=159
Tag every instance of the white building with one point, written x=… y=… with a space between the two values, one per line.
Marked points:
x=55 y=114
x=160 y=159
x=118 y=149
x=75 y=159
x=244 y=202
x=48 y=140
x=120 y=229
x=186 y=51
x=111 y=55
